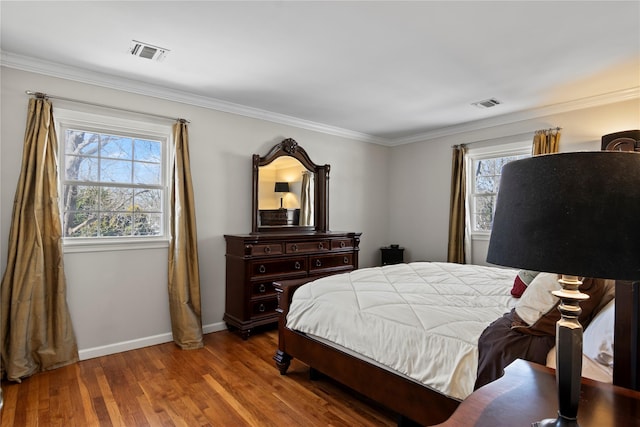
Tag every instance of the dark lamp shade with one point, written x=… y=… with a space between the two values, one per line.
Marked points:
x=570 y=213
x=281 y=187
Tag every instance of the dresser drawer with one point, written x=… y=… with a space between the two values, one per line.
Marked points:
x=266 y=249
x=264 y=307
x=302 y=247
x=342 y=244
x=267 y=268
x=322 y=262
x=262 y=289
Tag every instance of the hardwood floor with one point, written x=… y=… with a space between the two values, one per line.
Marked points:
x=230 y=382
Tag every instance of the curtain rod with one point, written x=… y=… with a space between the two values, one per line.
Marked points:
x=557 y=129
x=42 y=95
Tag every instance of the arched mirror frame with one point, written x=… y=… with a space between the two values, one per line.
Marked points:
x=289 y=147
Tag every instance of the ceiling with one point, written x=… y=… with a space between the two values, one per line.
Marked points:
x=383 y=71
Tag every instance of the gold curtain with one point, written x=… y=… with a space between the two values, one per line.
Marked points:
x=36 y=332
x=306 y=199
x=184 y=272
x=546 y=141
x=456 y=252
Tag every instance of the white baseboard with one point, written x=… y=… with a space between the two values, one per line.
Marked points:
x=104 y=350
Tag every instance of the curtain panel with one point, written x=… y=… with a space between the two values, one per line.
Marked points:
x=36 y=333
x=456 y=246
x=546 y=141
x=306 y=199
x=184 y=272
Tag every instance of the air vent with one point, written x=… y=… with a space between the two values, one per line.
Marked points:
x=145 y=50
x=487 y=103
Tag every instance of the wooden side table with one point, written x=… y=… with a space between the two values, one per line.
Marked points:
x=391 y=255
x=527 y=393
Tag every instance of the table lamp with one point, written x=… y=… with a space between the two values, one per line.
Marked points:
x=281 y=187
x=578 y=215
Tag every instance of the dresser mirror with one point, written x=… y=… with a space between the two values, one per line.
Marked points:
x=290 y=192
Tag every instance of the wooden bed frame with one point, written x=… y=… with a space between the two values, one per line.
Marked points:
x=416 y=402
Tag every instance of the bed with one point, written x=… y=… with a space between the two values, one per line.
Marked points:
x=465 y=300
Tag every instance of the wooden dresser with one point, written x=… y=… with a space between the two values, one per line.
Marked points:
x=255 y=261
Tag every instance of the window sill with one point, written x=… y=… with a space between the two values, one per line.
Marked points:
x=107 y=245
x=479 y=235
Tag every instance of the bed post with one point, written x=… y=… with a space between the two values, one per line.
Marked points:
x=284 y=291
x=626 y=345
x=282 y=359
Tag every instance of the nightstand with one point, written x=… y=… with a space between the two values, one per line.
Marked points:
x=527 y=393
x=391 y=255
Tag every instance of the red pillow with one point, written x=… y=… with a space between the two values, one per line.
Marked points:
x=522 y=280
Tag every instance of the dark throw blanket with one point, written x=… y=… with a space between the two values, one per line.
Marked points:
x=500 y=344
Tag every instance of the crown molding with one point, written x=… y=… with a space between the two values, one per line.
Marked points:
x=518 y=116
x=53 y=69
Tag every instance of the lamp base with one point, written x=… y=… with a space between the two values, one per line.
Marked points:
x=556 y=422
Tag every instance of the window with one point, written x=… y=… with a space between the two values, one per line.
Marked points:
x=113 y=184
x=484 y=168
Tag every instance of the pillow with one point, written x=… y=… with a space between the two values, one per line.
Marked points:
x=537 y=298
x=597 y=342
x=522 y=280
x=545 y=324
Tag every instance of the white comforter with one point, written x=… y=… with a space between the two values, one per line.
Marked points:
x=420 y=319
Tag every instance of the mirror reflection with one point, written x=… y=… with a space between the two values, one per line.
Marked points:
x=285 y=194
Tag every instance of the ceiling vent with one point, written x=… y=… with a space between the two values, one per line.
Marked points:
x=145 y=50
x=487 y=103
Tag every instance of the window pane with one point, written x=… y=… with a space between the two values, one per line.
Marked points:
x=483 y=212
x=486 y=183
x=485 y=167
x=116 y=171
x=116 y=147
x=147 y=151
x=147 y=224
x=146 y=173
x=81 y=224
x=114 y=224
x=80 y=142
x=81 y=168
x=113 y=185
x=81 y=198
x=148 y=200
x=116 y=199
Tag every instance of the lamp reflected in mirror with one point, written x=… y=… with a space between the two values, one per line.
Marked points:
x=282 y=188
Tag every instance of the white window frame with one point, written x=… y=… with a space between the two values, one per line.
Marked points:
x=112 y=124
x=482 y=153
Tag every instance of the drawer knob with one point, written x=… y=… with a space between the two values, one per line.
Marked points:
x=261 y=308
x=294 y=248
x=262 y=269
x=342 y=244
x=267 y=249
x=318 y=263
x=262 y=288
x=345 y=260
x=297 y=265
x=320 y=246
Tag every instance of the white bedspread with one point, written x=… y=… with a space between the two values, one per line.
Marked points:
x=420 y=319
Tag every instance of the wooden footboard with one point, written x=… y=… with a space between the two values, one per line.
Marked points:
x=408 y=398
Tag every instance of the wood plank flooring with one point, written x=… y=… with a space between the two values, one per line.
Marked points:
x=230 y=382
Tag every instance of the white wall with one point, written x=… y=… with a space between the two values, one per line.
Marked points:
x=420 y=173
x=118 y=299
